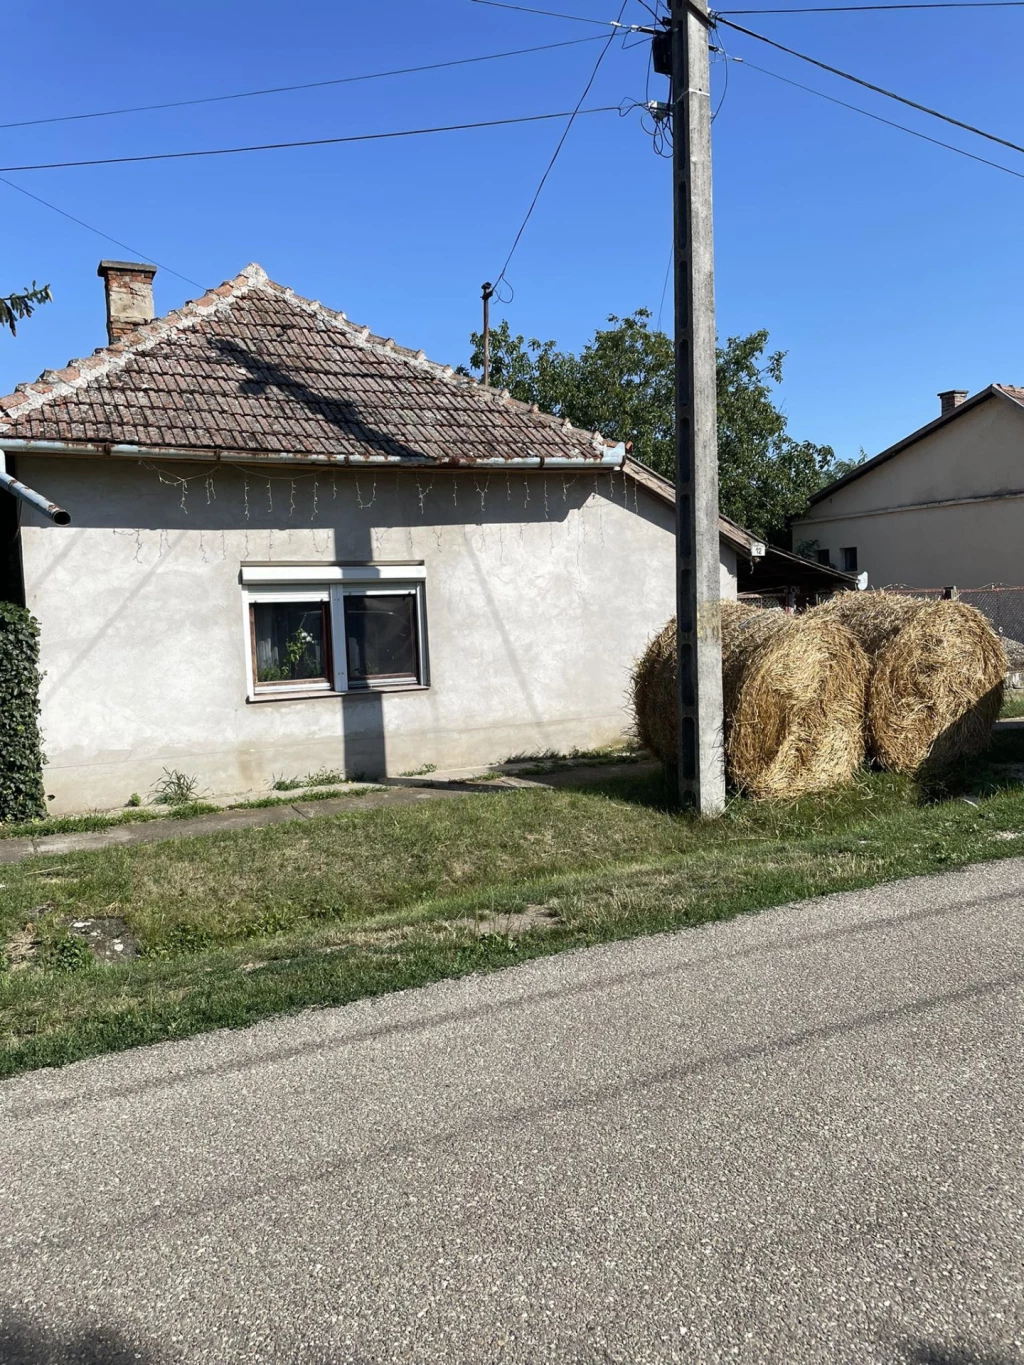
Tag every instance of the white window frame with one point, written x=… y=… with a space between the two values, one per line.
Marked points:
x=332 y=583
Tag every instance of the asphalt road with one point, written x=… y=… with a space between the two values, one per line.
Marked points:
x=792 y=1138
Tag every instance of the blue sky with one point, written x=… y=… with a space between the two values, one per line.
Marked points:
x=887 y=268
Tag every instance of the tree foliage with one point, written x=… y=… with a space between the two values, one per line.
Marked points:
x=14 y=307
x=621 y=384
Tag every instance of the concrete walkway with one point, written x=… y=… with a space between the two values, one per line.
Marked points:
x=793 y=1139
x=401 y=792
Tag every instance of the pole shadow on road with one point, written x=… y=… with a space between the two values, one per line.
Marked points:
x=935 y=1353
x=23 y=1342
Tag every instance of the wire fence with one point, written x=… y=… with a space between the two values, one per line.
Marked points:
x=1004 y=606
x=1001 y=604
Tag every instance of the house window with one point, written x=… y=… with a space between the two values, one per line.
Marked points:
x=290 y=642
x=381 y=641
x=342 y=628
x=849 y=555
x=824 y=557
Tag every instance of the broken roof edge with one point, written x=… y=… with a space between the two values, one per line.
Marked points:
x=76 y=374
x=738 y=537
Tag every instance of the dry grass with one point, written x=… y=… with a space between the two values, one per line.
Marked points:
x=937 y=677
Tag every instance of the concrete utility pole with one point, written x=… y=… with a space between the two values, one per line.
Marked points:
x=698 y=587
x=487 y=293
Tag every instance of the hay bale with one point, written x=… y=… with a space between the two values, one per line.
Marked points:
x=874 y=617
x=654 y=695
x=937 y=676
x=794 y=695
x=936 y=689
x=654 y=686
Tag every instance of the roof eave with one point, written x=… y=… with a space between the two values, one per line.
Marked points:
x=609 y=457
x=737 y=536
x=993 y=391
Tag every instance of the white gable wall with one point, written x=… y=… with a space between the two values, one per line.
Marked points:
x=947 y=510
x=540 y=593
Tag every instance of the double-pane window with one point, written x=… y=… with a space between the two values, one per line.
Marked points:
x=356 y=634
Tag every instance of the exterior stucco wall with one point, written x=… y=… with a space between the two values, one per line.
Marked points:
x=727 y=572
x=540 y=592
x=961 y=541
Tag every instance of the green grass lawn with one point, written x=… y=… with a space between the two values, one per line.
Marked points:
x=233 y=926
x=1013 y=705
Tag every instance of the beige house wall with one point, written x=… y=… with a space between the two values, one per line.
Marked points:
x=541 y=590
x=948 y=510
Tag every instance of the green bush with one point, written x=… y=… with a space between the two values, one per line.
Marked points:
x=21 y=760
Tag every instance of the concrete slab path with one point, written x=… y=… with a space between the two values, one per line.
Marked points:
x=792 y=1138
x=407 y=792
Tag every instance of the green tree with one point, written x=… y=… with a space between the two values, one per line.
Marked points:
x=621 y=383
x=14 y=307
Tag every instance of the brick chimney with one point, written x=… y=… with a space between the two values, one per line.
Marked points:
x=129 y=287
x=950 y=399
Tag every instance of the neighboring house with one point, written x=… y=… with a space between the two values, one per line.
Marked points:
x=943 y=507
x=297 y=545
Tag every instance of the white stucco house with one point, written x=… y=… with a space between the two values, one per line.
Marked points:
x=294 y=544
x=943 y=507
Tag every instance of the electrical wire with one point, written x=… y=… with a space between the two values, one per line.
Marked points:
x=561 y=143
x=664 y=286
x=725 y=81
x=309 y=85
x=579 y=18
x=855 y=9
x=308 y=142
x=889 y=123
x=132 y=251
x=867 y=85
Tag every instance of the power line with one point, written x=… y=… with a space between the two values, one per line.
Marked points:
x=132 y=251
x=309 y=85
x=579 y=18
x=853 y=9
x=867 y=85
x=561 y=143
x=309 y=142
x=879 y=119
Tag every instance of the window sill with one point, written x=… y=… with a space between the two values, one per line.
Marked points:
x=322 y=693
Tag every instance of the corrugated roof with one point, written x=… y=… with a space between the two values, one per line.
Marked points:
x=253 y=368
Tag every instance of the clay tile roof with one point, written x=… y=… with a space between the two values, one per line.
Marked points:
x=1012 y=391
x=252 y=368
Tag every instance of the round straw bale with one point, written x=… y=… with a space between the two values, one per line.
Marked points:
x=654 y=695
x=794 y=701
x=654 y=685
x=937 y=676
x=874 y=617
x=936 y=689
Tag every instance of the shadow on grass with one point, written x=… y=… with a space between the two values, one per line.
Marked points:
x=655 y=790
x=999 y=769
